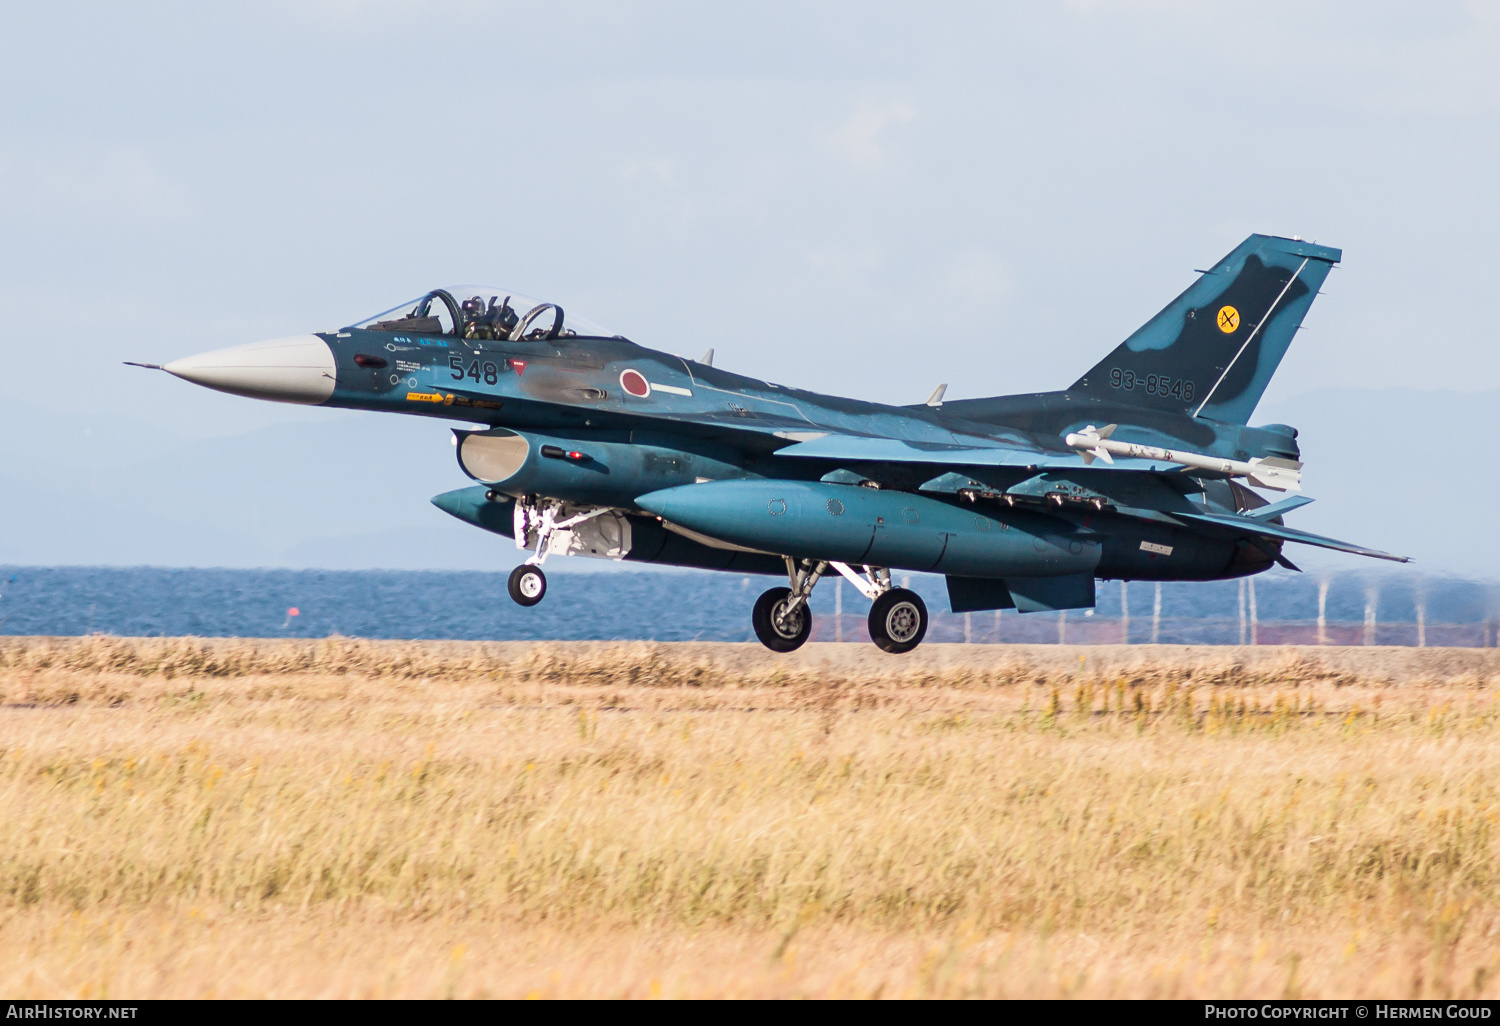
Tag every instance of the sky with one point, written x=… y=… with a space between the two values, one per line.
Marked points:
x=862 y=198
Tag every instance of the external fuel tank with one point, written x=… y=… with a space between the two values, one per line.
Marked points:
x=859 y=525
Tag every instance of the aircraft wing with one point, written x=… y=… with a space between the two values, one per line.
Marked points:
x=899 y=450
x=1252 y=526
x=896 y=450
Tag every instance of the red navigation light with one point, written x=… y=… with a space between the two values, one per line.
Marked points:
x=553 y=452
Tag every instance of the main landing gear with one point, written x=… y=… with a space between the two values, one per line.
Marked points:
x=898 y=621
x=783 y=621
x=781 y=617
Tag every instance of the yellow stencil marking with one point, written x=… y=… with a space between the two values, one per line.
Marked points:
x=1229 y=319
x=424 y=397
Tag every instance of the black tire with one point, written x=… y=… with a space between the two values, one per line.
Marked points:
x=527 y=585
x=783 y=637
x=898 y=621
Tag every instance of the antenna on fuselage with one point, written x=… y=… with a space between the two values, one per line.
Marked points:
x=936 y=398
x=708 y=359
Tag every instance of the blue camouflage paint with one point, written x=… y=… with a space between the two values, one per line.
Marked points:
x=1189 y=358
x=984 y=490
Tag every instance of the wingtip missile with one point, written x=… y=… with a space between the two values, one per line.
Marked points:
x=1090 y=439
x=1268 y=472
x=1278 y=474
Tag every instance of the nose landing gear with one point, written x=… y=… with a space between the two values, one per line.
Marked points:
x=527 y=584
x=548 y=520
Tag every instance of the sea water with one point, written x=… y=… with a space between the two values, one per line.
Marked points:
x=655 y=605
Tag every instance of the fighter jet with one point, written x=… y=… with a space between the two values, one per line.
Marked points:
x=583 y=443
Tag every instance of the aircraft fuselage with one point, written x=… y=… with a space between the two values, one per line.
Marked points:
x=584 y=443
x=645 y=421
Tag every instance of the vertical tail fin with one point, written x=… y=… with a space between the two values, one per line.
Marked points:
x=1213 y=350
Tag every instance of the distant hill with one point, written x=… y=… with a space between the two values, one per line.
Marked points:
x=350 y=490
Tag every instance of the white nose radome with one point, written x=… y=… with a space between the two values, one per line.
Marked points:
x=299 y=369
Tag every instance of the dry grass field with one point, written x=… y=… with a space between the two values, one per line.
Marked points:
x=188 y=818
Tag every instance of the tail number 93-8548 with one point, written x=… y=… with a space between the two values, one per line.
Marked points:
x=1154 y=384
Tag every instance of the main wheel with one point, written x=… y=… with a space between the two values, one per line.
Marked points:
x=898 y=621
x=776 y=630
x=527 y=584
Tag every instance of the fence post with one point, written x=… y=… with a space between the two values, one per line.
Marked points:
x=1254 y=618
x=1323 y=611
x=1156 y=616
x=968 y=630
x=1062 y=627
x=838 y=609
x=997 y=626
x=1421 y=622
x=1372 y=596
x=1242 y=610
x=1124 y=612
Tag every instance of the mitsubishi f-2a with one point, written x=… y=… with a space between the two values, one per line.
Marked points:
x=1144 y=468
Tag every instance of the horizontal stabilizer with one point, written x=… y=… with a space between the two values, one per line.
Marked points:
x=1277 y=509
x=1259 y=527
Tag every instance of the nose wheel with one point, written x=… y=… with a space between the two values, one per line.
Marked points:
x=527 y=584
x=781 y=625
x=898 y=621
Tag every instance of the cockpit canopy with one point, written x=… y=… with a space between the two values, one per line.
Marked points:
x=482 y=312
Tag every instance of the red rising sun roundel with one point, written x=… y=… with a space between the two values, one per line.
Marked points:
x=634 y=382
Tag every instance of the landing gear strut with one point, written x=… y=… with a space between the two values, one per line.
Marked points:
x=898 y=616
x=781 y=618
x=527 y=584
x=783 y=622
